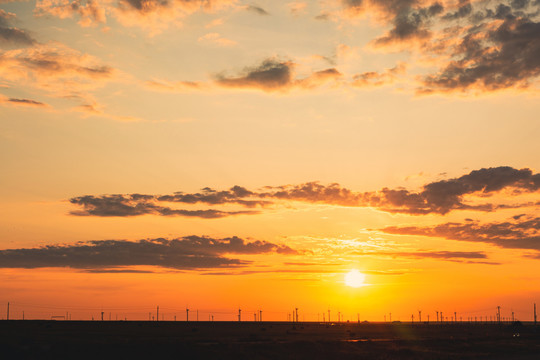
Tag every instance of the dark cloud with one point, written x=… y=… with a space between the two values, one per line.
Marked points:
x=190 y=253
x=145 y=5
x=136 y=204
x=464 y=9
x=257 y=10
x=513 y=234
x=271 y=75
x=10 y=34
x=322 y=17
x=277 y=75
x=511 y=59
x=234 y=195
x=27 y=102
x=410 y=24
x=439 y=197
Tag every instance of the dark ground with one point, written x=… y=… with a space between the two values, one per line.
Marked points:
x=29 y=339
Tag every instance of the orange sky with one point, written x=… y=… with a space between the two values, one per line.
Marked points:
x=226 y=154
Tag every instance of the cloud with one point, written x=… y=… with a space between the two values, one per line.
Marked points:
x=468 y=257
x=136 y=205
x=154 y=15
x=270 y=75
x=409 y=24
x=374 y=78
x=90 y=12
x=174 y=86
x=277 y=75
x=439 y=197
x=217 y=39
x=516 y=233
x=480 y=46
x=10 y=34
x=186 y=253
x=256 y=9
x=22 y=102
x=234 y=195
x=508 y=55
x=55 y=69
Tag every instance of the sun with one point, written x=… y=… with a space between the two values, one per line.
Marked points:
x=354 y=278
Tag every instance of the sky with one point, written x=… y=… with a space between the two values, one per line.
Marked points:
x=220 y=155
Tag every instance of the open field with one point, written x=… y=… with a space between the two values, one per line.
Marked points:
x=30 y=339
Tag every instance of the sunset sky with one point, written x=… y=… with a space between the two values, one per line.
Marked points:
x=226 y=154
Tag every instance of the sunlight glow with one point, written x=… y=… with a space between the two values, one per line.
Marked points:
x=354 y=278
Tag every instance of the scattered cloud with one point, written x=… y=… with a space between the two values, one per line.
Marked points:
x=491 y=58
x=135 y=205
x=217 y=39
x=12 y=35
x=373 y=78
x=277 y=75
x=439 y=197
x=89 y=12
x=256 y=9
x=516 y=233
x=56 y=70
x=270 y=75
x=468 y=257
x=186 y=253
x=22 y=102
x=153 y=15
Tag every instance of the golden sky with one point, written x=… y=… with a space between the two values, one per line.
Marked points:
x=225 y=154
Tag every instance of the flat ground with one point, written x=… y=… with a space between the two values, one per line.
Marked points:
x=29 y=339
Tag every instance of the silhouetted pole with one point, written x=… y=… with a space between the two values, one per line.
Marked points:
x=499 y=314
x=428 y=319
x=455 y=316
x=260 y=315
x=187 y=314
x=437 y=316
x=296 y=309
x=534 y=314
x=442 y=318
x=412 y=318
x=512 y=316
x=239 y=315
x=103 y=312
x=390 y=317
x=420 y=316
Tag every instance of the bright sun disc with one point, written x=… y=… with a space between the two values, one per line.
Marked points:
x=354 y=278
